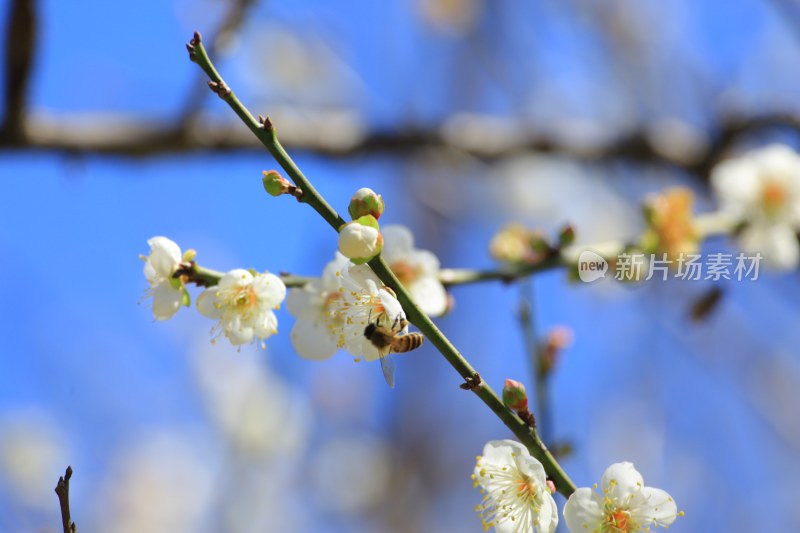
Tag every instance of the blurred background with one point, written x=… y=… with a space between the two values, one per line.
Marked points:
x=465 y=115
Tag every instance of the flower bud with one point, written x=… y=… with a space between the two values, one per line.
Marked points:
x=189 y=255
x=551 y=487
x=514 y=395
x=275 y=184
x=566 y=236
x=366 y=202
x=360 y=240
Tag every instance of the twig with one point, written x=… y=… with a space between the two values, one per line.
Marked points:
x=62 y=490
x=268 y=137
x=527 y=320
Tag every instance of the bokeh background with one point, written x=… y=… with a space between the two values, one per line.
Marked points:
x=465 y=115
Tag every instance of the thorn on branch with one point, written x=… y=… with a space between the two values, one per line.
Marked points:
x=472 y=383
x=219 y=88
x=62 y=490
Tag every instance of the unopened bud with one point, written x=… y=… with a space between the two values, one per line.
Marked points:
x=566 y=236
x=514 y=395
x=551 y=487
x=189 y=255
x=360 y=240
x=275 y=184
x=366 y=202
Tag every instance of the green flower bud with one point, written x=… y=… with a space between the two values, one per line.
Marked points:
x=514 y=395
x=366 y=202
x=361 y=240
x=566 y=236
x=275 y=184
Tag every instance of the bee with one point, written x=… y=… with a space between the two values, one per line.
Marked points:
x=388 y=341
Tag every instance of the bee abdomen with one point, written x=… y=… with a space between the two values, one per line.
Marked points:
x=408 y=342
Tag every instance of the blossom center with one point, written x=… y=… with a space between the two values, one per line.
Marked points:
x=245 y=298
x=773 y=197
x=618 y=520
x=406 y=273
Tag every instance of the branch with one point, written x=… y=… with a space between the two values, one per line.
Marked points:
x=708 y=225
x=20 y=43
x=225 y=32
x=62 y=490
x=266 y=134
x=341 y=133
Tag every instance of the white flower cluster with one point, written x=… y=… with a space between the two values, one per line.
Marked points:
x=517 y=498
x=761 y=189
x=242 y=302
x=332 y=311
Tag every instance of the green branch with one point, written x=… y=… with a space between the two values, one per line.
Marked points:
x=266 y=134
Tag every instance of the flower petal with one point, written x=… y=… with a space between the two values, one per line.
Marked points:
x=313 y=340
x=235 y=279
x=652 y=506
x=208 y=303
x=269 y=289
x=267 y=326
x=398 y=241
x=430 y=295
x=777 y=243
x=305 y=302
x=166 y=300
x=621 y=480
x=164 y=255
x=584 y=510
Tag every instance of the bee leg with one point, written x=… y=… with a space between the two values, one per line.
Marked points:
x=472 y=383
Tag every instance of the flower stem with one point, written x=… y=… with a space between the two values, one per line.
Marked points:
x=267 y=135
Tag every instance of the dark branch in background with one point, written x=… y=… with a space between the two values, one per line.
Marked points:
x=62 y=490
x=339 y=134
x=20 y=44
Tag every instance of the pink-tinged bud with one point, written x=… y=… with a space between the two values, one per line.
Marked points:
x=514 y=395
x=361 y=240
x=551 y=487
x=275 y=184
x=566 y=236
x=366 y=202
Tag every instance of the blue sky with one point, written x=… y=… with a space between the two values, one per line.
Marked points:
x=701 y=409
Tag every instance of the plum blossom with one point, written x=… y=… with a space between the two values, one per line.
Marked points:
x=168 y=294
x=314 y=335
x=363 y=299
x=762 y=189
x=625 y=505
x=417 y=270
x=243 y=303
x=516 y=498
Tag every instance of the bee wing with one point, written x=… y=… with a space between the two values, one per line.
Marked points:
x=387 y=365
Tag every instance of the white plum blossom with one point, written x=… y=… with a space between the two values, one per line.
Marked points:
x=168 y=294
x=363 y=300
x=625 y=505
x=357 y=241
x=417 y=270
x=516 y=498
x=243 y=303
x=762 y=189
x=316 y=332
